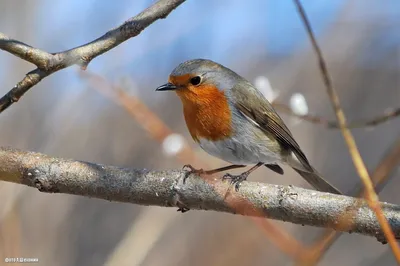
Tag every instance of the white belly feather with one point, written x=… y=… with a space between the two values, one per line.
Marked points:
x=239 y=151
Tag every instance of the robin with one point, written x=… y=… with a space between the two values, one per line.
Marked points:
x=232 y=120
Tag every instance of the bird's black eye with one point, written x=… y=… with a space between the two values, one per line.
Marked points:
x=195 y=80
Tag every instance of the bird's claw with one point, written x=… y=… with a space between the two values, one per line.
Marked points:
x=235 y=179
x=188 y=167
x=191 y=170
x=183 y=209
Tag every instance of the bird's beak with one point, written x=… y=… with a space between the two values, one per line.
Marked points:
x=166 y=87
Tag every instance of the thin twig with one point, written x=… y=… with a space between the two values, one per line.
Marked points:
x=167 y=189
x=49 y=63
x=383 y=172
x=371 y=196
x=334 y=124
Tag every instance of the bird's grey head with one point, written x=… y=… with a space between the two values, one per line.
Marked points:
x=195 y=66
x=208 y=71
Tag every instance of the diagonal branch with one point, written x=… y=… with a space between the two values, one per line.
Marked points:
x=36 y=56
x=166 y=188
x=384 y=171
x=49 y=63
x=371 y=196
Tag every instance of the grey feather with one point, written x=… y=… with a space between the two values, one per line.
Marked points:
x=254 y=105
x=248 y=100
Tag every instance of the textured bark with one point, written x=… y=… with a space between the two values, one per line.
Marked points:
x=166 y=188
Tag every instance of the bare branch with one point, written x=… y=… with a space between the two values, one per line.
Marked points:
x=395 y=113
x=25 y=52
x=166 y=188
x=371 y=196
x=383 y=172
x=49 y=63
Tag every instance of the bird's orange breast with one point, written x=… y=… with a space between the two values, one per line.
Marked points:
x=207 y=113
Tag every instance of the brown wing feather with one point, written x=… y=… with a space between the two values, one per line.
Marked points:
x=254 y=105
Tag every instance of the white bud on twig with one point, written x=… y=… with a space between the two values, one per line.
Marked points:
x=262 y=84
x=298 y=104
x=172 y=144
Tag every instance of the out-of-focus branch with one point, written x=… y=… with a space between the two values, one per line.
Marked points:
x=333 y=124
x=382 y=173
x=371 y=196
x=48 y=63
x=144 y=117
x=166 y=188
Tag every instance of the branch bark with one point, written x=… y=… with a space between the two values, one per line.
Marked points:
x=48 y=63
x=166 y=188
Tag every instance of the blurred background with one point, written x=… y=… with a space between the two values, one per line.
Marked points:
x=68 y=115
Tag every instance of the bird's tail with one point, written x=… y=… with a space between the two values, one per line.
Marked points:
x=311 y=175
x=316 y=180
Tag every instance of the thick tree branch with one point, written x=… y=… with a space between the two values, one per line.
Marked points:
x=49 y=63
x=166 y=188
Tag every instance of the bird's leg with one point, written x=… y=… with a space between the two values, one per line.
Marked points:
x=237 y=179
x=191 y=170
x=181 y=207
x=221 y=169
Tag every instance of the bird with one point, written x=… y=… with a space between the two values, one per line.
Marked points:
x=232 y=120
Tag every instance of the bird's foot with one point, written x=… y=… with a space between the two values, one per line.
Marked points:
x=191 y=170
x=181 y=207
x=236 y=179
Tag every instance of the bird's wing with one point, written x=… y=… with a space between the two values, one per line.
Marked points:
x=253 y=105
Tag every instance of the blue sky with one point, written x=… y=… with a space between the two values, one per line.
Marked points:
x=199 y=28
x=222 y=30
